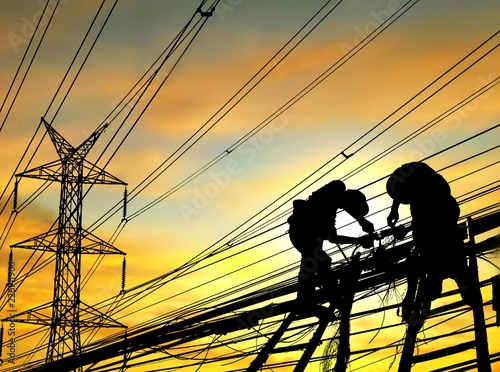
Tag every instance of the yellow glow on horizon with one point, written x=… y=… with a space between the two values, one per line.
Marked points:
x=211 y=211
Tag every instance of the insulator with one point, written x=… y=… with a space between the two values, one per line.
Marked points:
x=125 y=197
x=124 y=272
x=15 y=195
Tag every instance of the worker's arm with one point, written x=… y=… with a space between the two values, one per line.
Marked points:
x=366 y=225
x=393 y=216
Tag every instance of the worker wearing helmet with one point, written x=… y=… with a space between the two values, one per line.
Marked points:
x=312 y=222
x=439 y=251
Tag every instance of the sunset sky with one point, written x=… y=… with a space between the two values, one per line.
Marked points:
x=320 y=100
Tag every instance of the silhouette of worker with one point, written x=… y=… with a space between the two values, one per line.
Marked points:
x=312 y=222
x=439 y=251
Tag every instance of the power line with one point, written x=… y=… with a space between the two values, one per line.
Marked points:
x=253 y=230
x=178 y=40
x=77 y=74
x=159 y=199
x=184 y=270
x=42 y=16
x=455 y=145
x=471 y=98
x=46 y=184
x=383 y=27
x=285 y=106
x=147 y=181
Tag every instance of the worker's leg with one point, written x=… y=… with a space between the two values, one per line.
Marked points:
x=409 y=305
x=307 y=279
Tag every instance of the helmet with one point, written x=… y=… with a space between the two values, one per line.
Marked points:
x=412 y=181
x=330 y=191
x=354 y=203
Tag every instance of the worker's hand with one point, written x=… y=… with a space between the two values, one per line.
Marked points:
x=366 y=241
x=399 y=232
x=366 y=225
x=392 y=218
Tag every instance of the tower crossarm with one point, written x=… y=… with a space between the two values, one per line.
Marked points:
x=53 y=171
x=91 y=317
x=50 y=172
x=94 y=245
x=39 y=315
x=44 y=242
x=47 y=242
x=99 y=176
x=65 y=150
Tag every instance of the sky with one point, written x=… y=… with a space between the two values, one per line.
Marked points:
x=361 y=107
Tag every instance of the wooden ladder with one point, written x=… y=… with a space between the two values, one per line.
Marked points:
x=325 y=316
x=264 y=353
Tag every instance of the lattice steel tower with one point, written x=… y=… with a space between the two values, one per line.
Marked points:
x=68 y=241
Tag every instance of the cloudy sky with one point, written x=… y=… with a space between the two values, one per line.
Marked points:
x=253 y=108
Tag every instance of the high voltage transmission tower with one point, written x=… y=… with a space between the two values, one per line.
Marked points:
x=68 y=241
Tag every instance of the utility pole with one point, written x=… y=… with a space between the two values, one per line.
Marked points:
x=68 y=241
